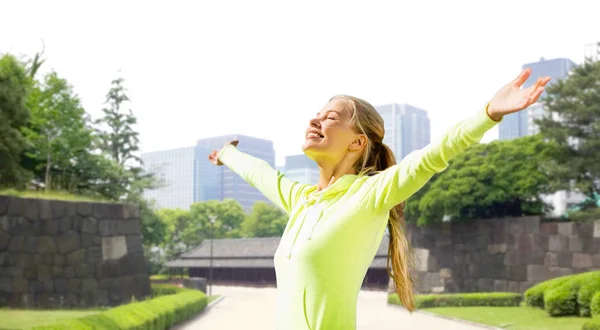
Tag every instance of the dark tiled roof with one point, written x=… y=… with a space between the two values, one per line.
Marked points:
x=247 y=253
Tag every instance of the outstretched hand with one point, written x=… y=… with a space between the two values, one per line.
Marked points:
x=511 y=98
x=214 y=155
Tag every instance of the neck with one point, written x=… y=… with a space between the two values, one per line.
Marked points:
x=330 y=173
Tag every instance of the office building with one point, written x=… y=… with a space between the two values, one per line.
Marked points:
x=301 y=169
x=232 y=186
x=407 y=128
x=522 y=123
x=185 y=176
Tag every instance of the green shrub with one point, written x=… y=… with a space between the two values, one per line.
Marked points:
x=593 y=324
x=595 y=305
x=166 y=289
x=462 y=299
x=561 y=300
x=534 y=296
x=155 y=314
x=589 y=287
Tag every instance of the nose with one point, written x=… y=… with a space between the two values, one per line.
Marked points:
x=315 y=123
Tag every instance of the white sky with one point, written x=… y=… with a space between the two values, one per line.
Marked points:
x=203 y=68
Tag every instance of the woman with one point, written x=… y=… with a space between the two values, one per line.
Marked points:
x=336 y=226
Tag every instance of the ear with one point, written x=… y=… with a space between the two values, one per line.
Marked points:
x=359 y=143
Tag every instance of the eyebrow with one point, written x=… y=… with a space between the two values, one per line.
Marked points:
x=328 y=111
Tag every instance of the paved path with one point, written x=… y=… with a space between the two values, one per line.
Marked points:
x=254 y=308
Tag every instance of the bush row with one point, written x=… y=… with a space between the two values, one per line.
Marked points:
x=462 y=299
x=158 y=313
x=566 y=295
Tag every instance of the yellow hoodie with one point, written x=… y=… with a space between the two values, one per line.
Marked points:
x=332 y=235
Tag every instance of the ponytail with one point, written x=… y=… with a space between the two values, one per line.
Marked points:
x=400 y=259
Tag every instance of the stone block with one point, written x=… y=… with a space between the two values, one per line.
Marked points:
x=513 y=286
x=115 y=247
x=34 y=287
x=30 y=244
x=4 y=259
x=133 y=227
x=94 y=255
x=536 y=257
x=575 y=244
x=61 y=285
x=86 y=240
x=69 y=272
x=19 y=285
x=565 y=259
x=567 y=228
x=511 y=258
x=532 y=224
x=59 y=260
x=46 y=245
x=89 y=225
x=590 y=245
x=518 y=273
x=64 y=224
x=48 y=286
x=44 y=273
x=97 y=240
x=485 y=285
x=17 y=244
x=596 y=260
x=68 y=242
x=76 y=257
x=49 y=227
x=537 y=273
x=4 y=202
x=525 y=285
x=60 y=209
x=597 y=229
x=108 y=228
x=107 y=283
x=84 y=209
x=581 y=260
x=500 y=285
x=100 y=297
x=83 y=271
x=76 y=223
x=515 y=226
x=57 y=271
x=549 y=228
x=16 y=206
x=23 y=260
x=585 y=230
x=551 y=259
x=89 y=284
x=30 y=209
x=5 y=285
x=5 y=239
x=14 y=272
x=74 y=285
x=558 y=243
x=130 y=212
x=496 y=248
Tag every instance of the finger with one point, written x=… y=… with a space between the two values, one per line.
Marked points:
x=536 y=95
x=522 y=78
x=545 y=80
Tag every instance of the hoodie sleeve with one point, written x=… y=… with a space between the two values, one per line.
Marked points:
x=258 y=173
x=397 y=183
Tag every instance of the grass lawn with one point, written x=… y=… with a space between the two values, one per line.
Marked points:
x=27 y=319
x=514 y=318
x=56 y=195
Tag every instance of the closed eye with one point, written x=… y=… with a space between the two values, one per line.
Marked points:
x=332 y=118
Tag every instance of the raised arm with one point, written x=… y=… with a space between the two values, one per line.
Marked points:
x=399 y=182
x=258 y=173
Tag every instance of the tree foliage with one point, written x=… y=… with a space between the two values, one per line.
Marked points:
x=573 y=123
x=502 y=178
x=14 y=114
x=266 y=220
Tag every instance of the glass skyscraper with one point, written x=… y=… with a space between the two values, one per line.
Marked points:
x=185 y=175
x=522 y=123
x=232 y=186
x=407 y=128
x=301 y=169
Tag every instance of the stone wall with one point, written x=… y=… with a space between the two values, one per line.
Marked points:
x=501 y=254
x=66 y=254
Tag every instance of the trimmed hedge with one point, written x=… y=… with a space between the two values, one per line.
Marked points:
x=565 y=295
x=166 y=289
x=462 y=299
x=593 y=324
x=159 y=313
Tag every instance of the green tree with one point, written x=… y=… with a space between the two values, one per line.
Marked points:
x=14 y=114
x=228 y=216
x=180 y=232
x=572 y=106
x=266 y=220
x=502 y=178
x=58 y=129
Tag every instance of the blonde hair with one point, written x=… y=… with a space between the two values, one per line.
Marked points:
x=376 y=158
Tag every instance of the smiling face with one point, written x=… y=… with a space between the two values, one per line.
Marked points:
x=331 y=135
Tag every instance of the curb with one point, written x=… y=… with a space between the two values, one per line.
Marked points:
x=483 y=326
x=201 y=314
